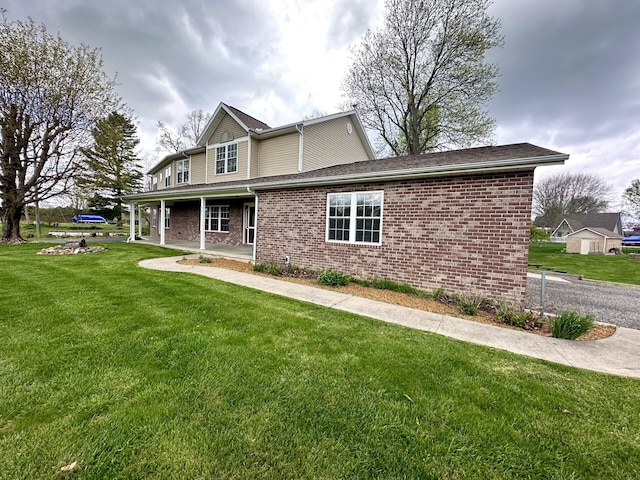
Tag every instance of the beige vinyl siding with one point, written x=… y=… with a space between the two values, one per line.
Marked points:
x=243 y=152
x=255 y=145
x=597 y=243
x=329 y=143
x=226 y=124
x=278 y=155
x=198 y=168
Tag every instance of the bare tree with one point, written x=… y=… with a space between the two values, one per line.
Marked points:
x=173 y=141
x=421 y=82
x=567 y=193
x=51 y=94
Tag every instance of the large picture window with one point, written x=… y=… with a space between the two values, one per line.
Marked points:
x=354 y=217
x=227 y=159
x=216 y=218
x=182 y=171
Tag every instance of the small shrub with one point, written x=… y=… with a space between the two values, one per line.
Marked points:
x=470 y=303
x=333 y=278
x=269 y=268
x=518 y=317
x=203 y=259
x=570 y=325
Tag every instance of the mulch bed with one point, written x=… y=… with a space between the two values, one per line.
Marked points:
x=598 y=332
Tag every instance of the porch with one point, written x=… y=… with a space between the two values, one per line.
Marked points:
x=238 y=252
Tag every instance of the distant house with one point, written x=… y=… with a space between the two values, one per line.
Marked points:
x=572 y=223
x=593 y=240
x=312 y=193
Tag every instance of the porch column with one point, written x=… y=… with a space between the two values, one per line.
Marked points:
x=132 y=222
x=139 y=221
x=255 y=230
x=203 y=205
x=161 y=225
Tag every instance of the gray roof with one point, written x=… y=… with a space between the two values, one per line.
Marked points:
x=247 y=119
x=600 y=231
x=607 y=221
x=505 y=158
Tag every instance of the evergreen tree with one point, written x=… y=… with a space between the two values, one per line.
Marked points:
x=112 y=166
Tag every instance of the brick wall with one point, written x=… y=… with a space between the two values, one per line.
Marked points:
x=464 y=234
x=184 y=223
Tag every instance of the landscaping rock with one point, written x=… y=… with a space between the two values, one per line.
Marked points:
x=71 y=248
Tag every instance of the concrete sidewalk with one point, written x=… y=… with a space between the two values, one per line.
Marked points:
x=618 y=354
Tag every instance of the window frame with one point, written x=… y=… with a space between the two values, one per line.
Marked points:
x=219 y=218
x=167 y=217
x=353 y=218
x=167 y=176
x=183 y=175
x=225 y=149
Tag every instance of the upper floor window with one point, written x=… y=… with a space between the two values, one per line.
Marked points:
x=167 y=176
x=227 y=159
x=354 y=217
x=182 y=171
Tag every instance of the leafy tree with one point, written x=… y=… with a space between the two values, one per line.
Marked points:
x=631 y=197
x=568 y=193
x=421 y=82
x=51 y=94
x=538 y=235
x=112 y=166
x=187 y=136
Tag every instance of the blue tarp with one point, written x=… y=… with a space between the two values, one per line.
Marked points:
x=89 y=219
x=631 y=239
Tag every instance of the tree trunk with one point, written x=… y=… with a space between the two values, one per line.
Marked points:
x=11 y=224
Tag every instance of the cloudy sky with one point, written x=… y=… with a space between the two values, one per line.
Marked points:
x=570 y=69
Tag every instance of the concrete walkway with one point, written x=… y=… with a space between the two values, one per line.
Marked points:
x=618 y=354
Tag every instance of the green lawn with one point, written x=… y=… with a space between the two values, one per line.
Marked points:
x=610 y=268
x=146 y=374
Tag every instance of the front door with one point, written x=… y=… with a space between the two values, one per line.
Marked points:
x=249 y=223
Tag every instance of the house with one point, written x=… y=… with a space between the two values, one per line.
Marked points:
x=574 y=222
x=313 y=194
x=593 y=240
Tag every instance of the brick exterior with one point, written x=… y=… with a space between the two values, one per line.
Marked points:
x=184 y=223
x=464 y=234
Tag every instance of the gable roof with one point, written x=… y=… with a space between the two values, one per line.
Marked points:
x=577 y=221
x=470 y=161
x=262 y=131
x=603 y=232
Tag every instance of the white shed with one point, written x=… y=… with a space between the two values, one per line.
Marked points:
x=593 y=240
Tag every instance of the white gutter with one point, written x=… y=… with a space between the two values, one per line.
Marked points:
x=249 y=159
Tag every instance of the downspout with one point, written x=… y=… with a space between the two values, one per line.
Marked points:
x=249 y=159
x=300 y=145
x=255 y=231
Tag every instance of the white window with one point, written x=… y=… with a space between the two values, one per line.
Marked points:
x=154 y=218
x=216 y=218
x=154 y=182
x=167 y=176
x=182 y=171
x=354 y=217
x=167 y=214
x=227 y=159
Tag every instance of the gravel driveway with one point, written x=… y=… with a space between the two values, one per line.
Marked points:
x=617 y=304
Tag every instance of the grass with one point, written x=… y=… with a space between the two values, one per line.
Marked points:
x=610 y=268
x=145 y=374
